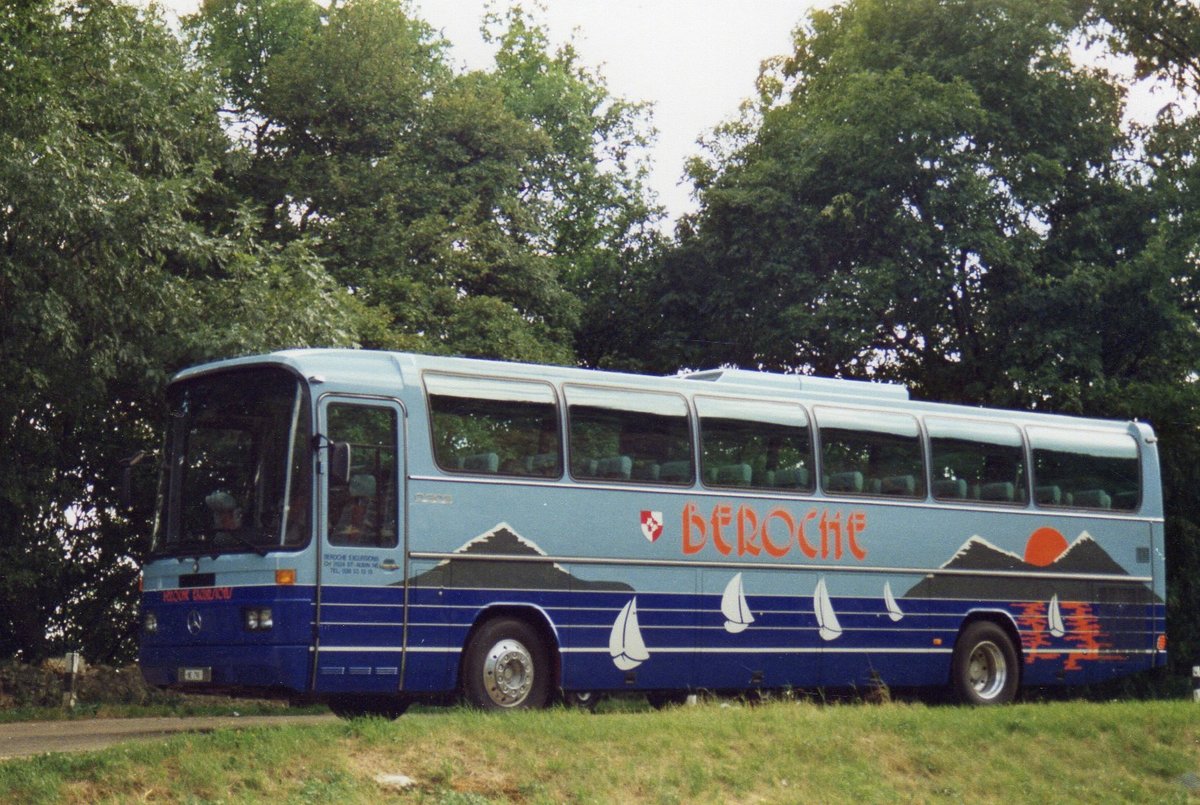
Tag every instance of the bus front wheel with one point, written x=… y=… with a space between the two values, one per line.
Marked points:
x=506 y=667
x=985 y=669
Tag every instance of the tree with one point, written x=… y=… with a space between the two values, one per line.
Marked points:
x=934 y=191
x=110 y=278
x=321 y=177
x=401 y=174
x=586 y=191
x=1162 y=36
x=1164 y=40
x=910 y=171
x=467 y=208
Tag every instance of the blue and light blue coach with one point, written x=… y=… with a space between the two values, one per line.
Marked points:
x=373 y=528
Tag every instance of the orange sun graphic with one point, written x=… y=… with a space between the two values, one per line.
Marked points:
x=1044 y=546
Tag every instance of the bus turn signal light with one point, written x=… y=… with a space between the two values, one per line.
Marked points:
x=286 y=576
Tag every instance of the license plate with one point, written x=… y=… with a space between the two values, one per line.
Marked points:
x=195 y=675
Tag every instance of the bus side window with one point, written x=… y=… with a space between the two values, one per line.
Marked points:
x=870 y=453
x=980 y=461
x=362 y=510
x=639 y=437
x=1085 y=470
x=753 y=444
x=486 y=426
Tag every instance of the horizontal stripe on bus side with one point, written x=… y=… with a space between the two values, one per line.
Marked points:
x=726 y=650
x=436 y=595
x=708 y=564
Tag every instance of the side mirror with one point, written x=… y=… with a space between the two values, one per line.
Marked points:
x=339 y=463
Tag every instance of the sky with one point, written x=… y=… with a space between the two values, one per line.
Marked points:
x=694 y=60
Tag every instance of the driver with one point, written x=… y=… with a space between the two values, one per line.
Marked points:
x=227 y=515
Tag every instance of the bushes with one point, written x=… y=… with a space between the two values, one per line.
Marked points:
x=44 y=685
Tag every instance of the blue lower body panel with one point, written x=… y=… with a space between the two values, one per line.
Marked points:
x=250 y=667
x=204 y=629
x=685 y=641
x=610 y=636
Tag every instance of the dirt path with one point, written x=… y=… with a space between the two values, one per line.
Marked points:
x=36 y=737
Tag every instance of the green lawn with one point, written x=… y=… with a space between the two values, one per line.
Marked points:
x=713 y=752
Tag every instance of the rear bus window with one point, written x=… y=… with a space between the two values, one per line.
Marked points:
x=870 y=453
x=629 y=436
x=977 y=461
x=757 y=445
x=1085 y=469
x=494 y=427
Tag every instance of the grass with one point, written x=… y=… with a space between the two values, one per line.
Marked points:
x=715 y=752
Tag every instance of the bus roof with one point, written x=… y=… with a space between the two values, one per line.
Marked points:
x=381 y=372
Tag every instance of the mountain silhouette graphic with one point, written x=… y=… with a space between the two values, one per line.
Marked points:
x=1083 y=556
x=519 y=564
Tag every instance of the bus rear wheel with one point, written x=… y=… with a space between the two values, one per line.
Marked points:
x=506 y=667
x=985 y=670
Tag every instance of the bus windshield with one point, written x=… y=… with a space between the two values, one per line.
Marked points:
x=238 y=470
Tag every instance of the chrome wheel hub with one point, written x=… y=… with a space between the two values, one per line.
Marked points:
x=508 y=673
x=987 y=670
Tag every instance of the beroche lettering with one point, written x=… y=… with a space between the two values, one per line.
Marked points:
x=746 y=531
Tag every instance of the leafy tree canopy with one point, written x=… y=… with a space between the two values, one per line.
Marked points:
x=936 y=191
x=110 y=278
x=916 y=179
x=468 y=209
x=305 y=175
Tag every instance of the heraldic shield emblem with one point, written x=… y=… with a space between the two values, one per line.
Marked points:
x=652 y=525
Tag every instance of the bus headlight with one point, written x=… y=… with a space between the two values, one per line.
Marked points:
x=150 y=623
x=257 y=619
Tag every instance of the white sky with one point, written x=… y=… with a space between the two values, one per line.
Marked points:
x=694 y=60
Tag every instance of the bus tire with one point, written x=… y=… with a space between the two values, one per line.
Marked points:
x=506 y=667
x=985 y=670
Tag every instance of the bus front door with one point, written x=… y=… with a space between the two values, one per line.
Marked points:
x=360 y=612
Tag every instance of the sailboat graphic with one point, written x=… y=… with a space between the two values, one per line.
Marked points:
x=1054 y=618
x=734 y=608
x=827 y=620
x=889 y=601
x=625 y=642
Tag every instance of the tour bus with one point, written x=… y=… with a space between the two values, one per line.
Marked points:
x=371 y=529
